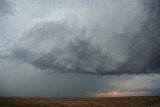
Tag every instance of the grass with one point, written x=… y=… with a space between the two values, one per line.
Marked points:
x=144 y=101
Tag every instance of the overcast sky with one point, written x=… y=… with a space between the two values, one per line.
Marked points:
x=79 y=48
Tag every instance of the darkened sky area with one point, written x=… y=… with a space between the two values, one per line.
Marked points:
x=79 y=47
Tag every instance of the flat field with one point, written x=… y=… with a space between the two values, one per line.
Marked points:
x=143 y=101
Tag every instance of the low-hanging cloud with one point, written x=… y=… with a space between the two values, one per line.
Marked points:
x=66 y=45
x=62 y=46
x=5 y=8
x=143 y=45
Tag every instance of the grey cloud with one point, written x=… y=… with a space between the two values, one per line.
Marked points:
x=66 y=46
x=84 y=39
x=5 y=8
x=134 y=83
x=143 y=46
x=22 y=79
x=62 y=46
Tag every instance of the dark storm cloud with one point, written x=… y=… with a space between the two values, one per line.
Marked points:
x=66 y=46
x=62 y=46
x=143 y=46
x=98 y=37
x=5 y=7
x=68 y=50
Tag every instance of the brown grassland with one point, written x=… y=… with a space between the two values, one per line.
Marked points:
x=144 y=101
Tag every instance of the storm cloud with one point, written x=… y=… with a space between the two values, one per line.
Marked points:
x=106 y=40
x=143 y=45
x=5 y=8
x=64 y=48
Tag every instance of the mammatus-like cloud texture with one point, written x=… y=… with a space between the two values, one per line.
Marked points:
x=62 y=46
x=65 y=46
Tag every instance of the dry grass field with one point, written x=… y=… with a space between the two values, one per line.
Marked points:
x=147 y=101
